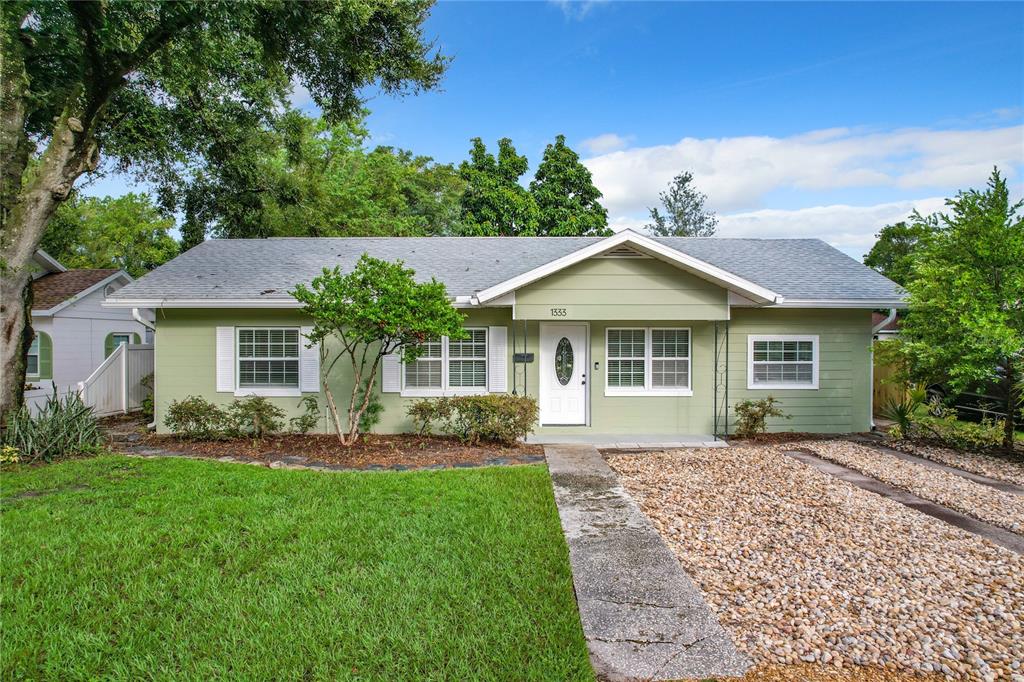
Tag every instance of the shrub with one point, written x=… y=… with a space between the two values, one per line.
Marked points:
x=371 y=415
x=473 y=418
x=64 y=426
x=254 y=416
x=427 y=412
x=752 y=415
x=903 y=411
x=147 y=402
x=196 y=419
x=9 y=455
x=310 y=417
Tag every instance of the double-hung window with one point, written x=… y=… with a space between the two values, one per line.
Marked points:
x=782 y=362
x=268 y=358
x=648 y=361
x=32 y=359
x=449 y=366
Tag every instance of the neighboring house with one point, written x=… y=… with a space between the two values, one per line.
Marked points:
x=74 y=333
x=617 y=335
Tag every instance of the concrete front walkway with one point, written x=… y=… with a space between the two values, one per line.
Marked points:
x=642 y=616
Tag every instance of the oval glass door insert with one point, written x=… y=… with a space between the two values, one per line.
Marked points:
x=563 y=361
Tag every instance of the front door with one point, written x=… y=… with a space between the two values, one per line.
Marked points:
x=563 y=373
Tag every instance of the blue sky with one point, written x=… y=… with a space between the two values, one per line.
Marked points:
x=797 y=119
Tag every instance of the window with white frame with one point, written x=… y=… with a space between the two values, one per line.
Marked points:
x=268 y=357
x=782 y=362
x=32 y=359
x=119 y=339
x=649 y=360
x=450 y=365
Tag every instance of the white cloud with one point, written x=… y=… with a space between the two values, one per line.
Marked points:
x=738 y=173
x=849 y=228
x=608 y=142
x=576 y=9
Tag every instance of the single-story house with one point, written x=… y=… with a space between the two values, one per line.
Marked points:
x=619 y=335
x=74 y=333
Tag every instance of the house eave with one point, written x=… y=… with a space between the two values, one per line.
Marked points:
x=853 y=303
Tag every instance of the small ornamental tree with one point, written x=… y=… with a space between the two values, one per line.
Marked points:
x=375 y=310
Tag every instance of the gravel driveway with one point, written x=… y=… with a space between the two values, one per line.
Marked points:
x=956 y=492
x=1000 y=468
x=801 y=567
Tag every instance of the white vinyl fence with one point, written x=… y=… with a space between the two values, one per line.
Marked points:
x=116 y=385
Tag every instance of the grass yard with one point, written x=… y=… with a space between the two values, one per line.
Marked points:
x=118 y=567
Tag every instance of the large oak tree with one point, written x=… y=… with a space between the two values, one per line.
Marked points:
x=151 y=84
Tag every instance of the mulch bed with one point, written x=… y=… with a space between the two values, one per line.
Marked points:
x=372 y=451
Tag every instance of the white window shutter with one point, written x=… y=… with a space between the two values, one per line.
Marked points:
x=497 y=359
x=225 y=359
x=391 y=374
x=309 y=364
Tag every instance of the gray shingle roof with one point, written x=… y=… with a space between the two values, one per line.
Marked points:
x=268 y=268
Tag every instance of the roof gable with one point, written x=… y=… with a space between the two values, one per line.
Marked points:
x=50 y=291
x=643 y=245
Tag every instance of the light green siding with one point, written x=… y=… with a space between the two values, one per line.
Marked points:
x=622 y=289
x=186 y=359
x=842 y=401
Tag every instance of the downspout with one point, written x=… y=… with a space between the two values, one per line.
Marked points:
x=874 y=330
x=148 y=325
x=143 y=321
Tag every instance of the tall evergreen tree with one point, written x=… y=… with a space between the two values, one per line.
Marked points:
x=566 y=196
x=685 y=215
x=495 y=204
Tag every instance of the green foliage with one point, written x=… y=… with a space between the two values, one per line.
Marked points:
x=493 y=417
x=9 y=455
x=254 y=416
x=147 y=382
x=321 y=180
x=494 y=203
x=940 y=423
x=752 y=415
x=685 y=215
x=374 y=408
x=567 y=200
x=375 y=310
x=967 y=294
x=196 y=419
x=426 y=413
x=201 y=70
x=903 y=411
x=893 y=253
x=127 y=232
x=310 y=417
x=64 y=426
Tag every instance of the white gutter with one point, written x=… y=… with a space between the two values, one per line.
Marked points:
x=143 y=321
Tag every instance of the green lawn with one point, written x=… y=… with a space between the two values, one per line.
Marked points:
x=130 y=568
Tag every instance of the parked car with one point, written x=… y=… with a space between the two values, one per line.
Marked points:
x=984 y=400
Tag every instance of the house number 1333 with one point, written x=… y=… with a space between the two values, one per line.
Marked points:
x=558 y=312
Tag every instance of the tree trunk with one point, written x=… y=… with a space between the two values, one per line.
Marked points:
x=71 y=152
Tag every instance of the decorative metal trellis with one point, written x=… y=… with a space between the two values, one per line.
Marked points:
x=721 y=401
